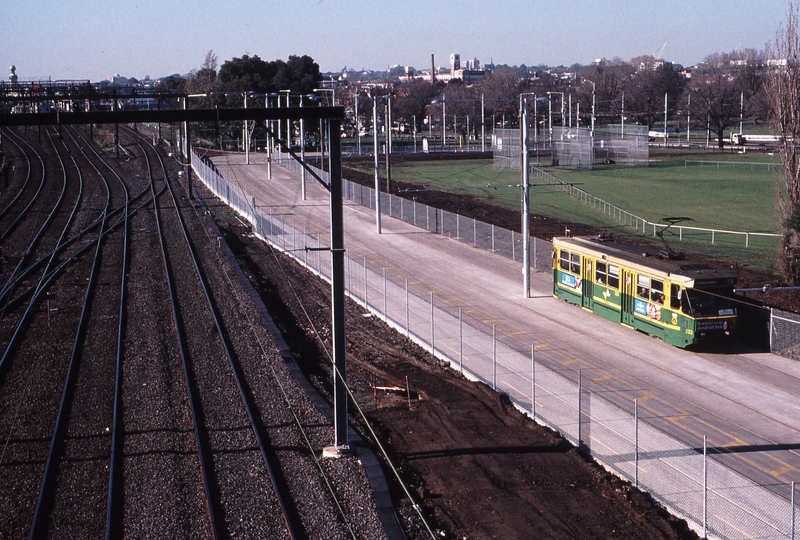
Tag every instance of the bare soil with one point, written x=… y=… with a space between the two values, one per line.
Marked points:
x=476 y=465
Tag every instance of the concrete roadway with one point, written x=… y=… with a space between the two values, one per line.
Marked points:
x=746 y=404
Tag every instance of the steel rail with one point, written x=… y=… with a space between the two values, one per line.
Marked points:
x=25 y=210
x=204 y=459
x=47 y=489
x=27 y=176
x=43 y=282
x=33 y=291
x=114 y=498
x=40 y=233
x=114 y=501
x=238 y=376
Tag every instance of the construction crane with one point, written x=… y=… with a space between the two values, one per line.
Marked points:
x=658 y=54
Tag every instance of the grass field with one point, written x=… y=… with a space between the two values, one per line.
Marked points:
x=733 y=192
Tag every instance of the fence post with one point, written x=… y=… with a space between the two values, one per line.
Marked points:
x=433 y=335
x=513 y=251
x=460 y=341
x=580 y=387
x=533 y=382
x=792 y=535
x=475 y=232
x=408 y=323
x=385 y=316
x=705 y=487
x=494 y=357
x=492 y=237
x=636 y=442
x=366 y=294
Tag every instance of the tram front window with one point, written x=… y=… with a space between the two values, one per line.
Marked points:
x=701 y=304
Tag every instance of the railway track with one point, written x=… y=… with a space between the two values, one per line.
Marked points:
x=136 y=395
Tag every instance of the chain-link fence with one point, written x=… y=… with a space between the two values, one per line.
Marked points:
x=626 y=145
x=573 y=147
x=691 y=479
x=785 y=334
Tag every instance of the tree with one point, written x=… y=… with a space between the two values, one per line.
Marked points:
x=783 y=91
x=462 y=102
x=249 y=74
x=174 y=84
x=716 y=98
x=300 y=75
x=204 y=80
x=411 y=100
x=501 y=90
x=610 y=78
x=644 y=94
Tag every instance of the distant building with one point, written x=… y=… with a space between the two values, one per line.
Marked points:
x=470 y=74
x=455 y=64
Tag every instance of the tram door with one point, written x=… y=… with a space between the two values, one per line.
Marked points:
x=628 y=289
x=587 y=283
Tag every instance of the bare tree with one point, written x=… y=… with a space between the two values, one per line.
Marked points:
x=783 y=90
x=716 y=96
x=203 y=80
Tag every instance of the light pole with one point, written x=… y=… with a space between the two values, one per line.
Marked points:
x=333 y=99
x=444 y=122
x=246 y=136
x=444 y=100
x=377 y=163
x=594 y=87
x=302 y=153
x=563 y=118
x=483 y=126
x=526 y=210
x=269 y=137
x=188 y=148
x=288 y=122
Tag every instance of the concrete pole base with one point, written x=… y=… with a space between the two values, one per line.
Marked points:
x=337 y=452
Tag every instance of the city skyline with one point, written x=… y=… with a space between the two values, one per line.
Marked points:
x=95 y=40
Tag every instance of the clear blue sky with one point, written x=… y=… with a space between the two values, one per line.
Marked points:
x=93 y=39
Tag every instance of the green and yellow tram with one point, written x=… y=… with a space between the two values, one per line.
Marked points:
x=680 y=302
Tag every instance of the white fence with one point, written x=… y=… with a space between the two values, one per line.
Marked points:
x=690 y=479
x=639 y=223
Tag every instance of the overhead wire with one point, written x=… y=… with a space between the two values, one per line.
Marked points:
x=321 y=341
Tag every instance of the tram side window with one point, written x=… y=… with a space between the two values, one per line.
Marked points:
x=613 y=276
x=675 y=296
x=643 y=287
x=575 y=263
x=563 y=260
x=600 y=275
x=657 y=291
